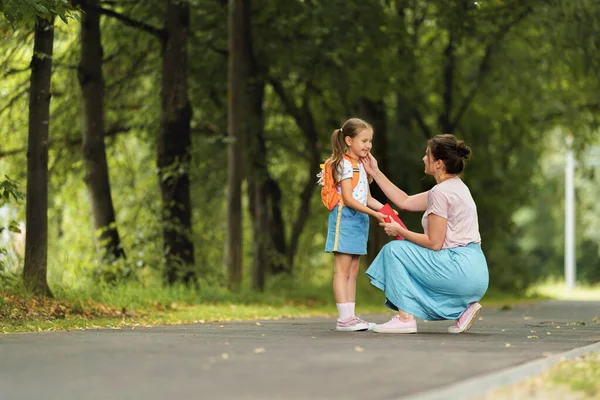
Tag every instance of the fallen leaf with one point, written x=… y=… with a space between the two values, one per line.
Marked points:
x=507 y=345
x=262 y=334
x=503 y=330
x=258 y=324
x=259 y=350
x=532 y=331
x=548 y=333
x=359 y=349
x=221 y=326
x=225 y=356
x=313 y=337
x=480 y=318
x=526 y=318
x=557 y=326
x=532 y=337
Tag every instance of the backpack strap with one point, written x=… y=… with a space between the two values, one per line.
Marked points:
x=355 y=170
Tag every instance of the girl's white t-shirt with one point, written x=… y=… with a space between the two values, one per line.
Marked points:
x=361 y=191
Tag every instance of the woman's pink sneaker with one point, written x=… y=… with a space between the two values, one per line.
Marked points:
x=466 y=319
x=395 y=325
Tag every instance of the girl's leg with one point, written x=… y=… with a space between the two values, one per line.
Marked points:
x=354 y=266
x=341 y=275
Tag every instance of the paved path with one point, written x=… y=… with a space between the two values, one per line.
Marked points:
x=283 y=359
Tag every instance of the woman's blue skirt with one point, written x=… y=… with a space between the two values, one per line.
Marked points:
x=431 y=285
x=347 y=231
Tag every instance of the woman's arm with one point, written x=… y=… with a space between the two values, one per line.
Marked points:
x=396 y=195
x=355 y=204
x=434 y=240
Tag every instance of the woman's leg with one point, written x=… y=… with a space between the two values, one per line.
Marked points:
x=404 y=316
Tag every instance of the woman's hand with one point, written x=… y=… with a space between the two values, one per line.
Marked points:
x=370 y=164
x=392 y=228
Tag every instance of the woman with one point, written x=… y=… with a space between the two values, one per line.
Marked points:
x=441 y=273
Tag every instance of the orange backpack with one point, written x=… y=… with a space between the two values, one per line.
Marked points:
x=329 y=193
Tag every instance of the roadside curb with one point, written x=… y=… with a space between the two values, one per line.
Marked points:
x=481 y=385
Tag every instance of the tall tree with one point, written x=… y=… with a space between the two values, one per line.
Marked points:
x=258 y=174
x=375 y=112
x=94 y=150
x=36 y=214
x=237 y=77
x=174 y=147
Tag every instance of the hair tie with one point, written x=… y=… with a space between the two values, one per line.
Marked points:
x=341 y=131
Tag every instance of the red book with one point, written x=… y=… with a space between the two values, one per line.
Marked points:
x=387 y=210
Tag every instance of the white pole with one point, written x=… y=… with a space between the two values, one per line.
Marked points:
x=569 y=217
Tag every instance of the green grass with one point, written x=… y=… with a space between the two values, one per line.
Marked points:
x=572 y=379
x=556 y=289
x=580 y=375
x=138 y=304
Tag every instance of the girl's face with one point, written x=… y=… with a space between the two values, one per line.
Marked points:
x=361 y=144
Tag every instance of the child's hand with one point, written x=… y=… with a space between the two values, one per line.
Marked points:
x=380 y=217
x=391 y=228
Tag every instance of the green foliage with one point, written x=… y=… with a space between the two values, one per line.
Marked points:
x=519 y=70
x=9 y=194
x=18 y=11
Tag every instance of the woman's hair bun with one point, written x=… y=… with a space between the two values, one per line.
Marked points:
x=463 y=150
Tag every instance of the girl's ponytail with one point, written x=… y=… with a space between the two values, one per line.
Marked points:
x=338 y=147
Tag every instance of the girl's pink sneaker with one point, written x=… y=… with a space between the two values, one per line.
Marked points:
x=351 y=324
x=395 y=325
x=466 y=319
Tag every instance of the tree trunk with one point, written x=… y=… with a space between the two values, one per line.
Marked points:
x=94 y=151
x=310 y=133
x=173 y=152
x=259 y=178
x=238 y=71
x=375 y=113
x=277 y=230
x=36 y=240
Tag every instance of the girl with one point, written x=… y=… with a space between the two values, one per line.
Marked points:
x=348 y=227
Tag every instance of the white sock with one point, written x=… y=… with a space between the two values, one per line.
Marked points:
x=344 y=310
x=352 y=305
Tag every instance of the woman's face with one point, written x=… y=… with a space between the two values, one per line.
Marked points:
x=431 y=165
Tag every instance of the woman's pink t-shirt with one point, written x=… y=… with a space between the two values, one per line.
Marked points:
x=452 y=200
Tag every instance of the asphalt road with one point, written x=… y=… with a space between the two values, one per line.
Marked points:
x=283 y=359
